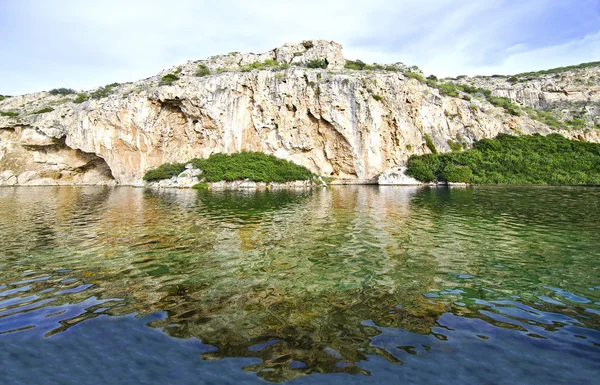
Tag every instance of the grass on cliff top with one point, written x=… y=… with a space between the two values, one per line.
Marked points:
x=533 y=159
x=254 y=166
x=559 y=69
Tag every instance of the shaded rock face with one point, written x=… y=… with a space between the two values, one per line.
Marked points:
x=351 y=125
x=30 y=158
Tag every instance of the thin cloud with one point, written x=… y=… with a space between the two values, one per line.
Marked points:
x=83 y=45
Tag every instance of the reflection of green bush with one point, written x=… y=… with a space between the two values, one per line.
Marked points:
x=535 y=159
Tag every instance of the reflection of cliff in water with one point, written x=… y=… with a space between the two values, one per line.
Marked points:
x=299 y=279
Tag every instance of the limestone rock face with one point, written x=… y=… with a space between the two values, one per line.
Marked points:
x=397 y=176
x=346 y=124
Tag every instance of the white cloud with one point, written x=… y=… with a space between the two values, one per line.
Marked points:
x=84 y=44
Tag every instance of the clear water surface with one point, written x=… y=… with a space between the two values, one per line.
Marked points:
x=348 y=285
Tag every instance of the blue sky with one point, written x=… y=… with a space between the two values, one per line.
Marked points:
x=83 y=44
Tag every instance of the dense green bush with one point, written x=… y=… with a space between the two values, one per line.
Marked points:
x=81 y=97
x=317 y=63
x=202 y=70
x=62 y=91
x=10 y=114
x=456 y=174
x=414 y=75
x=2 y=97
x=168 y=79
x=359 y=65
x=164 y=171
x=429 y=144
x=267 y=64
x=355 y=65
x=43 y=111
x=455 y=146
x=255 y=166
x=102 y=92
x=378 y=97
x=507 y=104
x=533 y=159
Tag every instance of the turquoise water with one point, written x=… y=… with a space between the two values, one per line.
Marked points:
x=361 y=284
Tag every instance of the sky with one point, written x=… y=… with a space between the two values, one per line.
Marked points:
x=83 y=44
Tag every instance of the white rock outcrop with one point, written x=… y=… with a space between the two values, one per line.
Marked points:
x=397 y=176
x=345 y=124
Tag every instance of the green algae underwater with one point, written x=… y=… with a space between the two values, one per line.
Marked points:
x=355 y=282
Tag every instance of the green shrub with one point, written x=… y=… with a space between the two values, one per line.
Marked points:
x=429 y=144
x=576 y=123
x=513 y=79
x=62 y=91
x=2 y=97
x=103 y=92
x=414 y=75
x=317 y=63
x=164 y=171
x=43 y=111
x=254 y=166
x=81 y=97
x=201 y=186
x=362 y=66
x=202 y=70
x=456 y=174
x=473 y=107
x=455 y=146
x=168 y=79
x=355 y=65
x=378 y=97
x=267 y=64
x=507 y=104
x=9 y=114
x=507 y=159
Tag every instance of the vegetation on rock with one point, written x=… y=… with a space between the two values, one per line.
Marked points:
x=202 y=70
x=559 y=69
x=43 y=111
x=267 y=64
x=317 y=63
x=362 y=66
x=81 y=97
x=254 y=166
x=62 y=91
x=414 y=75
x=507 y=159
x=103 y=92
x=168 y=79
x=9 y=114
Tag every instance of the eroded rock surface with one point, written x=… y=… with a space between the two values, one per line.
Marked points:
x=346 y=124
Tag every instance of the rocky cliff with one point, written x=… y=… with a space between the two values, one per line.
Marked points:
x=343 y=123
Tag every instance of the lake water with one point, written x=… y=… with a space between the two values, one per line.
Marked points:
x=345 y=285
